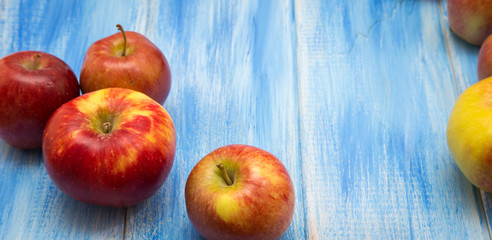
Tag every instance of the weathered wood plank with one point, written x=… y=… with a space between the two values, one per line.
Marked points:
x=463 y=61
x=353 y=98
x=31 y=207
x=234 y=81
x=375 y=91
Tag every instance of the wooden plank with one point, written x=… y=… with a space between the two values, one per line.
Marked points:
x=31 y=207
x=463 y=60
x=234 y=81
x=375 y=91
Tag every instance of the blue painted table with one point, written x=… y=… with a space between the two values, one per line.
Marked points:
x=352 y=97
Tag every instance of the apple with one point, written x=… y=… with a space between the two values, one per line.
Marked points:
x=112 y=147
x=471 y=19
x=126 y=60
x=484 y=64
x=33 y=85
x=469 y=134
x=240 y=192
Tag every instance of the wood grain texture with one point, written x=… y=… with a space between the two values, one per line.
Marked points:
x=353 y=98
x=234 y=81
x=375 y=91
x=31 y=207
x=463 y=59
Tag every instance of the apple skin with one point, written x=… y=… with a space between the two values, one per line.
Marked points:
x=469 y=134
x=144 y=68
x=484 y=64
x=31 y=90
x=120 y=168
x=471 y=19
x=258 y=205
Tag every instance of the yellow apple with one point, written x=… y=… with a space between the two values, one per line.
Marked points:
x=469 y=134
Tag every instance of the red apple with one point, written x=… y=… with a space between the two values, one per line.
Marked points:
x=112 y=147
x=484 y=64
x=240 y=192
x=126 y=60
x=471 y=19
x=32 y=86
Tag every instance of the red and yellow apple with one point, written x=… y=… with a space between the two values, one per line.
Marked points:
x=126 y=60
x=471 y=19
x=112 y=147
x=469 y=134
x=484 y=63
x=33 y=85
x=240 y=192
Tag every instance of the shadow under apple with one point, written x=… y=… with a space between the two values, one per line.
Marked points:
x=19 y=157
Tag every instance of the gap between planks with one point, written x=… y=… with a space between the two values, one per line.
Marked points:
x=299 y=125
x=124 y=223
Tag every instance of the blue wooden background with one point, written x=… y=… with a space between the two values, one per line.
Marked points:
x=352 y=96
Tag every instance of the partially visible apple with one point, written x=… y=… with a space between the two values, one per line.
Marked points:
x=240 y=192
x=126 y=60
x=469 y=134
x=33 y=85
x=471 y=19
x=112 y=147
x=484 y=64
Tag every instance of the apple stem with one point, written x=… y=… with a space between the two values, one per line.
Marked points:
x=106 y=127
x=35 y=63
x=224 y=173
x=124 y=38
